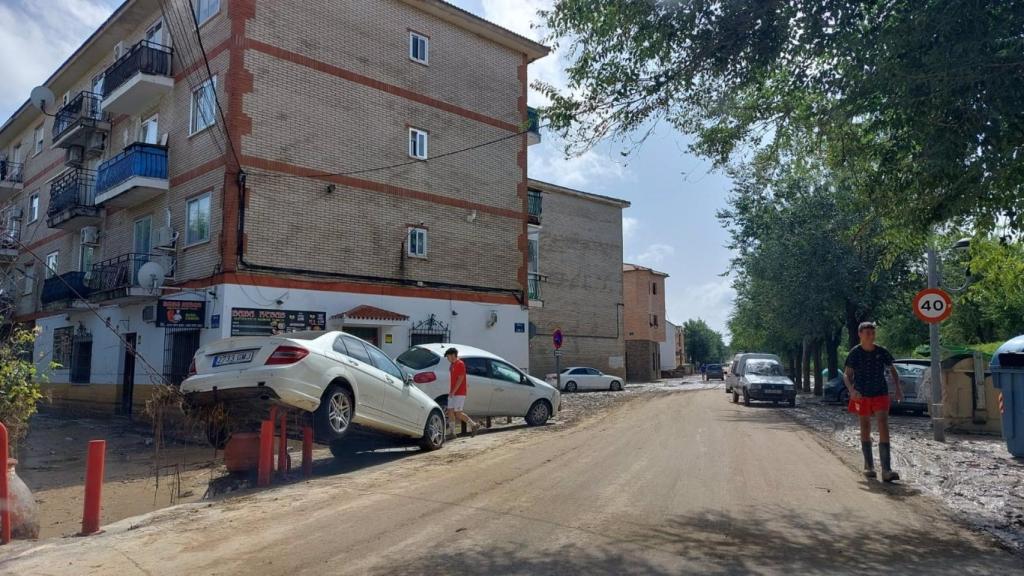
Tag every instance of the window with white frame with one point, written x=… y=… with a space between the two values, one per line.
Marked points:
x=204 y=106
x=197 y=220
x=418 y=140
x=51 y=265
x=206 y=9
x=30 y=280
x=417 y=242
x=419 y=46
x=86 y=256
x=33 y=207
x=38 y=140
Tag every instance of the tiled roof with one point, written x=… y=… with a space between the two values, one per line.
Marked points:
x=365 y=312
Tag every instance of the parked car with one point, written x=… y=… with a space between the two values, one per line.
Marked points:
x=582 y=378
x=496 y=387
x=714 y=372
x=911 y=371
x=736 y=367
x=763 y=379
x=338 y=379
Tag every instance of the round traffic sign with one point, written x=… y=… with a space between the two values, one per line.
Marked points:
x=556 y=337
x=933 y=305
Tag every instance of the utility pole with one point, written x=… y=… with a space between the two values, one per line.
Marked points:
x=938 y=422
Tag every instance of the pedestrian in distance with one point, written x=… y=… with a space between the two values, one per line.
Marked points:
x=457 y=393
x=703 y=371
x=869 y=396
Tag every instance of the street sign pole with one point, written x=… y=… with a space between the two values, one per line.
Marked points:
x=558 y=370
x=938 y=421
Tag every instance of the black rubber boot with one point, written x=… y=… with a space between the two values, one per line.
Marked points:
x=869 y=459
x=884 y=455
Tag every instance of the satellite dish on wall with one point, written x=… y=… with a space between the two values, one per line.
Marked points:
x=151 y=276
x=42 y=98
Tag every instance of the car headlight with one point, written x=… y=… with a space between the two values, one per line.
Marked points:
x=755 y=386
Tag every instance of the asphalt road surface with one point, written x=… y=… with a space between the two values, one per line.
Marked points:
x=676 y=483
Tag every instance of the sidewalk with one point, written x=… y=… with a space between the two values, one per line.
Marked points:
x=975 y=476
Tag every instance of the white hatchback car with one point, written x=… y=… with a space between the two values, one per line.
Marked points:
x=495 y=386
x=582 y=378
x=338 y=379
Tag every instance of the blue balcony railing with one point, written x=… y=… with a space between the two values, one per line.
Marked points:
x=145 y=58
x=73 y=190
x=65 y=287
x=146 y=160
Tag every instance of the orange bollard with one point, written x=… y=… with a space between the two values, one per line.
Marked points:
x=5 y=504
x=93 y=486
x=282 y=447
x=307 y=451
x=266 y=462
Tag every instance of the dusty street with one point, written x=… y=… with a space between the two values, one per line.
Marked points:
x=668 y=483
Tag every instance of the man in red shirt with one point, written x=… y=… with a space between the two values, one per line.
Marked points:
x=457 y=392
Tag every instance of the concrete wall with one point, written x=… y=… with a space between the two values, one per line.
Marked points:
x=580 y=253
x=643 y=361
x=669 y=347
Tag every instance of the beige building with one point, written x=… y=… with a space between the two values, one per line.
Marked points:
x=644 y=313
x=282 y=181
x=575 y=271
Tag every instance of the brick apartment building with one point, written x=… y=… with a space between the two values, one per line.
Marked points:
x=289 y=186
x=644 y=313
x=575 y=271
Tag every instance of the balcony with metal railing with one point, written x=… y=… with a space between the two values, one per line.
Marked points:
x=123 y=278
x=64 y=290
x=137 y=174
x=82 y=123
x=534 y=281
x=138 y=78
x=533 y=131
x=10 y=237
x=72 y=200
x=535 y=204
x=12 y=177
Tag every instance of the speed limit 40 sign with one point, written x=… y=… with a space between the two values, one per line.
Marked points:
x=933 y=305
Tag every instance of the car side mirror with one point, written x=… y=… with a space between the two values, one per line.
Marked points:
x=408 y=380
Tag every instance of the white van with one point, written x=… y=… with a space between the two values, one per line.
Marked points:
x=732 y=379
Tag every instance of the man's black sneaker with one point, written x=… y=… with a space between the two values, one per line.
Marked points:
x=889 y=476
x=870 y=473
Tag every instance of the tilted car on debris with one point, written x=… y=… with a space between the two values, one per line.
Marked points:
x=337 y=380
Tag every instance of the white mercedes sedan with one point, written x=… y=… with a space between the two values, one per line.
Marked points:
x=582 y=378
x=337 y=379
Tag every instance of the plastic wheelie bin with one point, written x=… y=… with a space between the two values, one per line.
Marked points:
x=1008 y=378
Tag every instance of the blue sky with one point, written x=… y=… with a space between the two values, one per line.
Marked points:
x=671 y=225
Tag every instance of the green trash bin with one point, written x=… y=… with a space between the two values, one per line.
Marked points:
x=1008 y=378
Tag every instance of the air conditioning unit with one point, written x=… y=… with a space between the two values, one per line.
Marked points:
x=97 y=144
x=166 y=237
x=74 y=155
x=149 y=314
x=15 y=213
x=90 y=235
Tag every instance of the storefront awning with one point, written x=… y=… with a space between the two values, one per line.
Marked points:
x=370 y=315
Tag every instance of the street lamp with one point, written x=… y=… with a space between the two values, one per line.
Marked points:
x=938 y=422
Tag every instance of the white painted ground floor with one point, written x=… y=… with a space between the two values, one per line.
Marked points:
x=83 y=359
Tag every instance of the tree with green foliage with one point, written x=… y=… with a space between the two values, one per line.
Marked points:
x=920 y=99
x=703 y=344
x=20 y=392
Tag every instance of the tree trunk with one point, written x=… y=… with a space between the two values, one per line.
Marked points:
x=818 y=384
x=794 y=365
x=832 y=350
x=852 y=322
x=806 y=366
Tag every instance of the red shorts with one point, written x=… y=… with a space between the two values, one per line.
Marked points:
x=868 y=405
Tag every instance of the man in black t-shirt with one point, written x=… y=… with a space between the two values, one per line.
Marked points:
x=869 y=394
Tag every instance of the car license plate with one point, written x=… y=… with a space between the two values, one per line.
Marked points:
x=773 y=391
x=233 y=358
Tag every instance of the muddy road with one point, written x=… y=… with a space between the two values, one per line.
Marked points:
x=667 y=483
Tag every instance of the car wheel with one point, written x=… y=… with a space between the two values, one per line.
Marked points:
x=616 y=386
x=844 y=396
x=334 y=415
x=570 y=386
x=746 y=399
x=538 y=413
x=433 y=432
x=735 y=397
x=792 y=403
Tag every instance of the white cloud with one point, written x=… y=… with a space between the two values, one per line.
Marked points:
x=589 y=168
x=711 y=301
x=41 y=35
x=655 y=254
x=629 y=227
